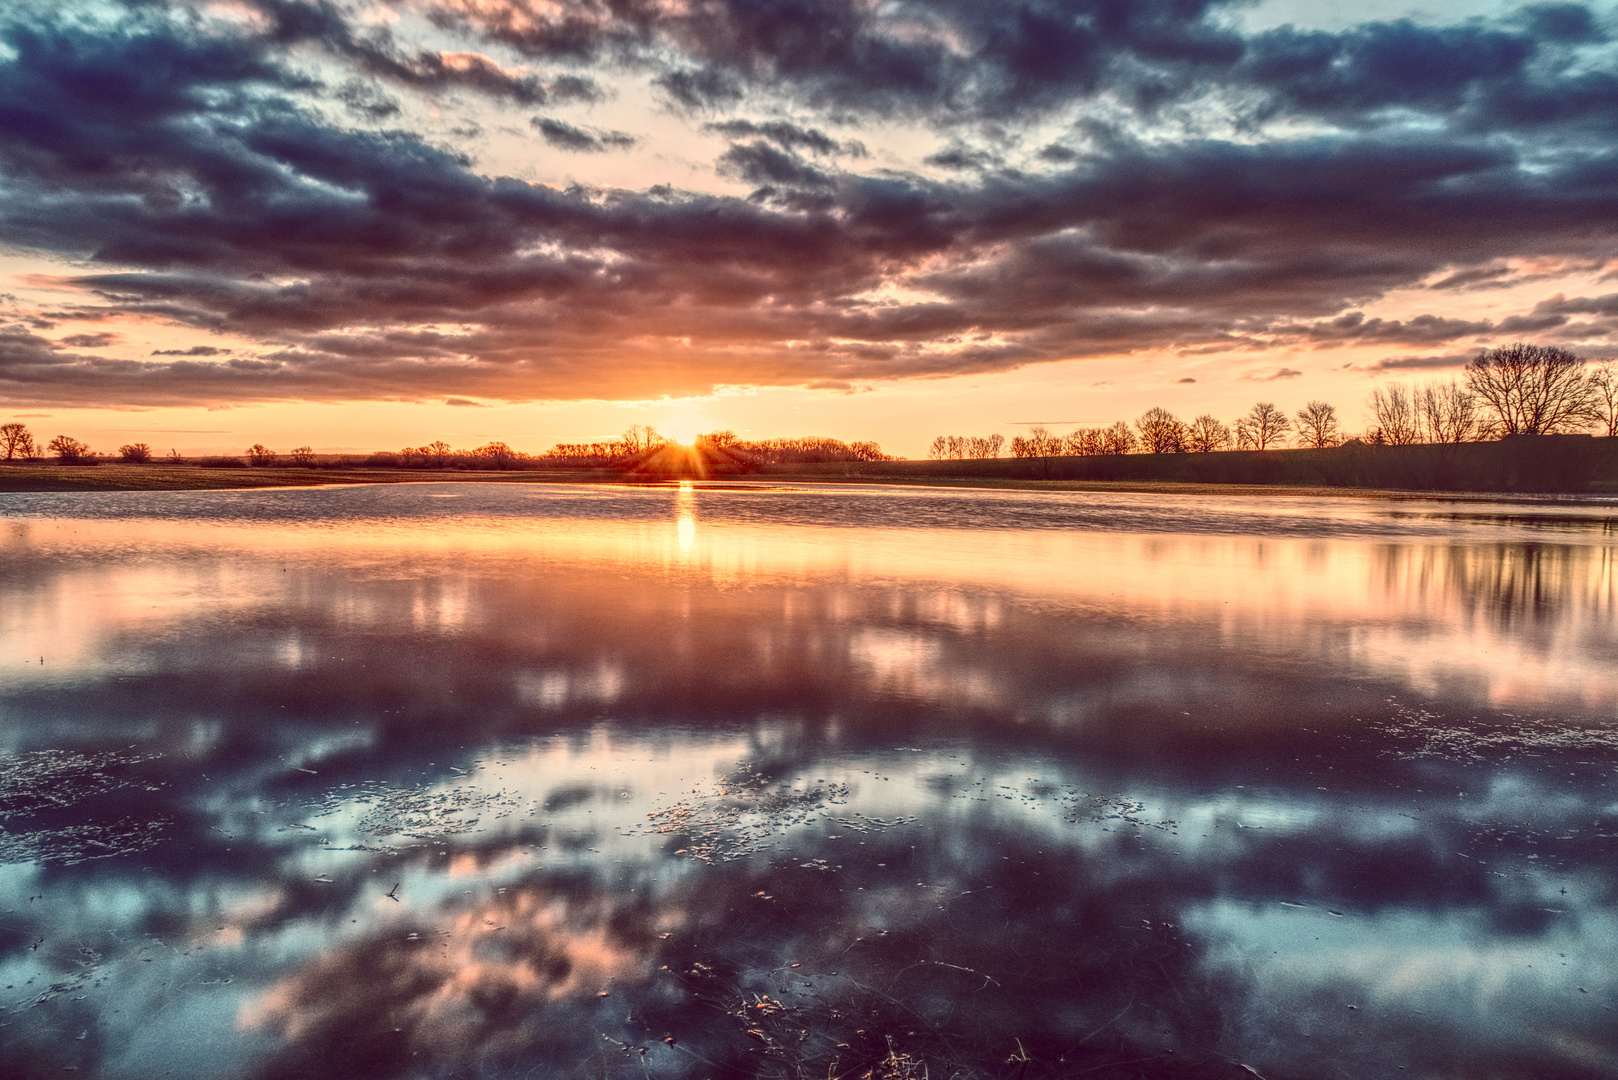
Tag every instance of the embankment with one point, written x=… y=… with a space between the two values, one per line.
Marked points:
x=1543 y=464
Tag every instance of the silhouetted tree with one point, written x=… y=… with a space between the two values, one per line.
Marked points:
x=1393 y=408
x=1206 y=434
x=1262 y=427
x=870 y=451
x=641 y=437
x=68 y=449
x=1317 y=425
x=1532 y=389
x=1086 y=442
x=1161 y=432
x=1604 y=396
x=1039 y=442
x=1447 y=412
x=497 y=455
x=260 y=455
x=957 y=447
x=1117 y=439
x=718 y=440
x=16 y=441
x=136 y=453
x=302 y=456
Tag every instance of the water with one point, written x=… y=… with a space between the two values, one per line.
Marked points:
x=509 y=781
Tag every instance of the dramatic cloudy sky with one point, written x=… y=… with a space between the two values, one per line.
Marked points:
x=365 y=224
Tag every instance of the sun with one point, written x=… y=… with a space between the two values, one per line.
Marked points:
x=681 y=429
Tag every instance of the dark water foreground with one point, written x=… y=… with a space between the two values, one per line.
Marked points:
x=453 y=780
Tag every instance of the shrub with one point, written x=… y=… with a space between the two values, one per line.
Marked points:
x=137 y=453
x=221 y=461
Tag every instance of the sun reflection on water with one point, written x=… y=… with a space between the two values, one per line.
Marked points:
x=685 y=509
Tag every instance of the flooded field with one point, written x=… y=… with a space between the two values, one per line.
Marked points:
x=507 y=781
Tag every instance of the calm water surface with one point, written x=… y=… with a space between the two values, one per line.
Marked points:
x=453 y=780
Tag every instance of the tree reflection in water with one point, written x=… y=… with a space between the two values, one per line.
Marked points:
x=556 y=786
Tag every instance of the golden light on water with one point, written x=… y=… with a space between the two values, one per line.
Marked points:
x=685 y=506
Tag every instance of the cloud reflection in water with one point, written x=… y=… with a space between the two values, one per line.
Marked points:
x=1104 y=782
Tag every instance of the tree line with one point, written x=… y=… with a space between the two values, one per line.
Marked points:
x=638 y=441
x=1517 y=389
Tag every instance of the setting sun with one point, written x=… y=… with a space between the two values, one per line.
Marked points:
x=682 y=429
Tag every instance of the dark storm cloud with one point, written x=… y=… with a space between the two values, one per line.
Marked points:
x=189 y=159
x=1421 y=363
x=375 y=52
x=959 y=156
x=760 y=163
x=1354 y=328
x=1606 y=306
x=915 y=58
x=789 y=137
x=195 y=350
x=89 y=341
x=565 y=136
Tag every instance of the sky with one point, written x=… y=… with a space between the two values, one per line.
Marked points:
x=363 y=226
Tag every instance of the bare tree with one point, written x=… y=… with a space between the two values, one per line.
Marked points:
x=1205 y=434
x=1161 y=432
x=870 y=451
x=137 y=453
x=1604 y=403
x=497 y=455
x=1086 y=442
x=304 y=456
x=1317 y=425
x=16 y=441
x=1117 y=439
x=637 y=438
x=260 y=455
x=1447 y=412
x=958 y=447
x=718 y=440
x=68 y=449
x=1262 y=427
x=1393 y=410
x=1532 y=389
x=1039 y=442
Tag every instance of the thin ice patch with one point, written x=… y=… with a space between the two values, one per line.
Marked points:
x=742 y=813
x=1437 y=736
x=421 y=814
x=37 y=786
